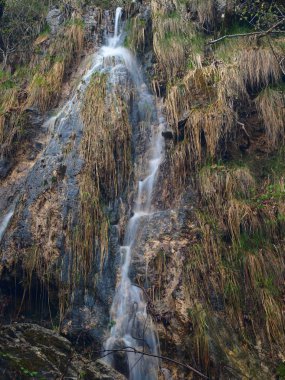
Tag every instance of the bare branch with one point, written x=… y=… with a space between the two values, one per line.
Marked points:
x=260 y=34
x=135 y=351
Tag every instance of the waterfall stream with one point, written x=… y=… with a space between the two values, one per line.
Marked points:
x=5 y=222
x=131 y=325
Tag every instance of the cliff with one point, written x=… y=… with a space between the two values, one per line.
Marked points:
x=77 y=145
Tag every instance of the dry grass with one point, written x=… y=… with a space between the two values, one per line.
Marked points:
x=198 y=318
x=206 y=13
x=274 y=317
x=259 y=67
x=241 y=218
x=219 y=183
x=107 y=140
x=170 y=38
x=218 y=189
x=217 y=90
x=106 y=151
x=205 y=130
x=44 y=89
x=136 y=35
x=271 y=106
x=235 y=257
x=170 y=53
x=9 y=103
x=254 y=269
x=249 y=269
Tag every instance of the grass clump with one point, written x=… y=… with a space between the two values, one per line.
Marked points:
x=259 y=67
x=136 y=37
x=44 y=89
x=171 y=33
x=106 y=151
x=270 y=104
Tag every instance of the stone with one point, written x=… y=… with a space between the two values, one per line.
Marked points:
x=168 y=135
x=121 y=358
x=54 y=19
x=5 y=167
x=32 y=351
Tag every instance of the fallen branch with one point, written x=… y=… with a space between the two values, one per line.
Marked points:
x=260 y=34
x=135 y=351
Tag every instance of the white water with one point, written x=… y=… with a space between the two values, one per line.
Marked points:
x=132 y=327
x=4 y=223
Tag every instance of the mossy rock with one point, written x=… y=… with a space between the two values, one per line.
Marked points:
x=28 y=351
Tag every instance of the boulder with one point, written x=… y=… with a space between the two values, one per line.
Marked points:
x=30 y=351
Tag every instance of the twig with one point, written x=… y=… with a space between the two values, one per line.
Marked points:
x=243 y=128
x=276 y=57
x=260 y=34
x=135 y=351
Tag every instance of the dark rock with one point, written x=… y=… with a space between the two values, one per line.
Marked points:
x=217 y=302
x=168 y=135
x=31 y=351
x=5 y=167
x=54 y=19
x=121 y=358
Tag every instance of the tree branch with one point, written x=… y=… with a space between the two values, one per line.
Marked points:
x=135 y=351
x=260 y=34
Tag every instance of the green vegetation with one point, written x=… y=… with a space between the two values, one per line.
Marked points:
x=37 y=77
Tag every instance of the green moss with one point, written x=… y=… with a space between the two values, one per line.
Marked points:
x=238 y=28
x=251 y=243
x=280 y=370
x=269 y=284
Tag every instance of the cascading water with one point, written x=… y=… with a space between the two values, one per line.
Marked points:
x=5 y=222
x=132 y=327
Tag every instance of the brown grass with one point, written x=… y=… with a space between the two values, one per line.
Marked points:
x=205 y=10
x=106 y=151
x=201 y=338
x=274 y=317
x=136 y=36
x=9 y=103
x=44 y=89
x=241 y=218
x=271 y=107
x=259 y=67
x=170 y=43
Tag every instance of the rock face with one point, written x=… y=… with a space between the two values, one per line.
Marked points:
x=206 y=258
x=31 y=351
x=54 y=19
x=46 y=195
x=5 y=166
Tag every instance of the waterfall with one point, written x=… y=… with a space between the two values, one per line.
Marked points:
x=5 y=222
x=131 y=325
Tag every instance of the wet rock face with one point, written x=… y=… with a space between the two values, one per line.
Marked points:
x=48 y=204
x=46 y=199
x=31 y=351
x=121 y=358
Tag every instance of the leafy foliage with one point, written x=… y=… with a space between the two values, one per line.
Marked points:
x=261 y=14
x=21 y=21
